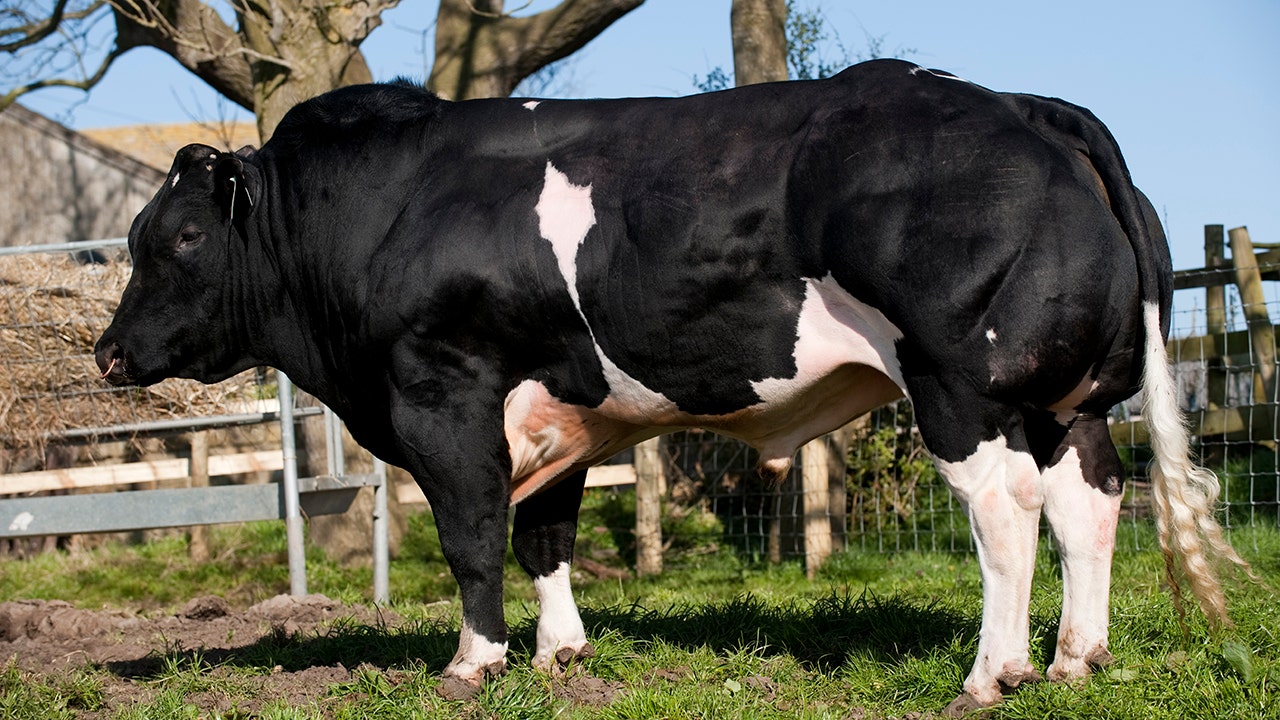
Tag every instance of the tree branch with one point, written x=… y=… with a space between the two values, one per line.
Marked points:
x=555 y=34
x=33 y=33
x=192 y=33
x=480 y=55
x=85 y=84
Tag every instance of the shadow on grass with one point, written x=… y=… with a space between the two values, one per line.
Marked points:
x=820 y=633
x=429 y=644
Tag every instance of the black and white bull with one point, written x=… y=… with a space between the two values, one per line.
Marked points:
x=499 y=294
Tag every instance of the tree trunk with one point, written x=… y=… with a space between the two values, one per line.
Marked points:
x=284 y=52
x=759 y=41
x=298 y=51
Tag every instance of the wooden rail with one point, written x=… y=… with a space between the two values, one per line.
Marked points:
x=1220 y=350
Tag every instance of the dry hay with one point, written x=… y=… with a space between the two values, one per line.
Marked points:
x=52 y=310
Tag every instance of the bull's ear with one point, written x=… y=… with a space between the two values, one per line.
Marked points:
x=236 y=187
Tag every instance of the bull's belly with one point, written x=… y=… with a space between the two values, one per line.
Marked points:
x=845 y=364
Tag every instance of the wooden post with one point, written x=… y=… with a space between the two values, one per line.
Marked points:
x=814 y=458
x=198 y=535
x=1261 y=333
x=837 y=489
x=1215 y=314
x=650 y=479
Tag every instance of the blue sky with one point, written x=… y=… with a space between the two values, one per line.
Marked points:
x=1190 y=89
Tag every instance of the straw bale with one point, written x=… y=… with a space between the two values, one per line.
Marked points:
x=52 y=310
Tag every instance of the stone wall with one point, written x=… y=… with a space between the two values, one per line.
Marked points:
x=62 y=186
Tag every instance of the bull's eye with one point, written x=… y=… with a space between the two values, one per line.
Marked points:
x=188 y=238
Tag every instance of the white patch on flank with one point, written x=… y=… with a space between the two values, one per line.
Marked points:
x=1083 y=520
x=846 y=364
x=476 y=656
x=531 y=105
x=1001 y=490
x=565 y=216
x=21 y=522
x=835 y=329
x=559 y=624
x=991 y=335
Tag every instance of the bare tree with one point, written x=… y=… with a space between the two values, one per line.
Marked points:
x=267 y=55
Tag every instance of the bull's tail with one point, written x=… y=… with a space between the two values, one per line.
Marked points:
x=1185 y=494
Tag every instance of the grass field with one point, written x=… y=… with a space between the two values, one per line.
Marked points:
x=716 y=636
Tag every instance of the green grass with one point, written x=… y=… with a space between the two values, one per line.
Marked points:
x=717 y=635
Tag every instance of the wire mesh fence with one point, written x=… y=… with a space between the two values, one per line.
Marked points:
x=889 y=497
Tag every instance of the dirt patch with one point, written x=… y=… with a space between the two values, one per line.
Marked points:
x=52 y=634
x=50 y=639
x=582 y=689
x=54 y=638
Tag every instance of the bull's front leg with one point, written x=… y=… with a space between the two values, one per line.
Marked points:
x=546 y=526
x=449 y=430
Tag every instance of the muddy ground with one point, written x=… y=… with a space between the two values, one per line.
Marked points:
x=52 y=637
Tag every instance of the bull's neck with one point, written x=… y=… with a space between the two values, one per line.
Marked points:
x=305 y=327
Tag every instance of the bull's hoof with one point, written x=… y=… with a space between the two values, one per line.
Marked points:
x=459 y=687
x=1069 y=669
x=564 y=657
x=968 y=706
x=1099 y=659
x=1012 y=680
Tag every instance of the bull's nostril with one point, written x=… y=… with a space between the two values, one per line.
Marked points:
x=109 y=357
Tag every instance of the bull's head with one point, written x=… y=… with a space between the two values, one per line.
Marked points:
x=175 y=317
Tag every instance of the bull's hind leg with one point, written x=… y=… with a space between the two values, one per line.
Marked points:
x=1083 y=486
x=545 y=527
x=979 y=447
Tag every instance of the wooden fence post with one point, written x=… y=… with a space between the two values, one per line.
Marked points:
x=1262 y=336
x=1215 y=315
x=814 y=460
x=650 y=479
x=198 y=535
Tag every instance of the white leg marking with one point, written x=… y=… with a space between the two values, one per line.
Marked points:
x=559 y=625
x=477 y=656
x=1001 y=491
x=1083 y=519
